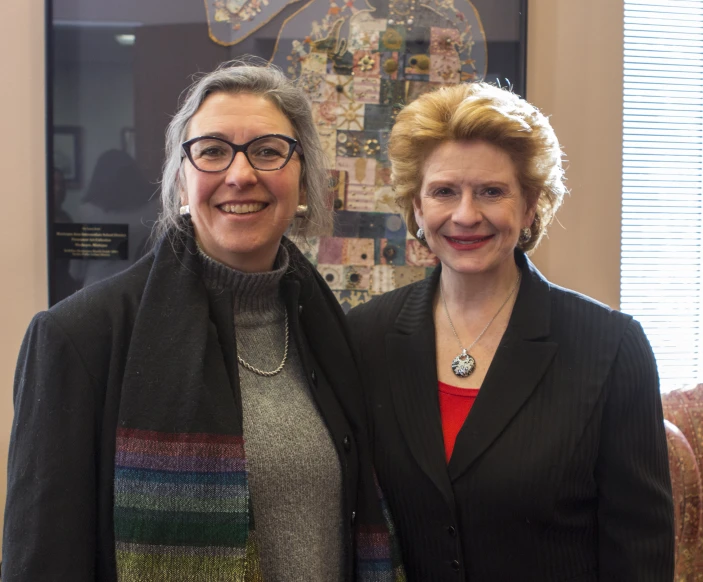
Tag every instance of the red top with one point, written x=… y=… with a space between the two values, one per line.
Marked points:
x=454 y=406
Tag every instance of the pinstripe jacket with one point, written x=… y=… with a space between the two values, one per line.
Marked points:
x=560 y=471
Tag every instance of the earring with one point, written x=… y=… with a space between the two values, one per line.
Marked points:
x=420 y=234
x=525 y=235
x=185 y=210
x=301 y=211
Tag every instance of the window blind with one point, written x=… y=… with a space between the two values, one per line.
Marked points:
x=662 y=186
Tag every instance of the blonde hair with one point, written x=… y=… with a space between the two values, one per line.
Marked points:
x=479 y=111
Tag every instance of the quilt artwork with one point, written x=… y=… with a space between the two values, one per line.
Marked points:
x=360 y=63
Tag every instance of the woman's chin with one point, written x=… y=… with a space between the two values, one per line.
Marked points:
x=478 y=265
x=246 y=255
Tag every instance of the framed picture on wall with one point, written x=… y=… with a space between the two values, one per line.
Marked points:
x=68 y=154
x=360 y=62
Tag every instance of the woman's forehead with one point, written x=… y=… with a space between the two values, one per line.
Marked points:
x=235 y=115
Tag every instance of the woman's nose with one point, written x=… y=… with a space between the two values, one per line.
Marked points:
x=240 y=173
x=467 y=211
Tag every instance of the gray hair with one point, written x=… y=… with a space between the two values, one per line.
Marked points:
x=250 y=77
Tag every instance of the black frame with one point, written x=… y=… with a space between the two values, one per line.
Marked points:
x=249 y=46
x=49 y=132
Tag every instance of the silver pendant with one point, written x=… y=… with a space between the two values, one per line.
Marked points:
x=464 y=364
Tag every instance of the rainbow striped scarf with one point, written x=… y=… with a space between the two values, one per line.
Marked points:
x=183 y=514
x=182 y=507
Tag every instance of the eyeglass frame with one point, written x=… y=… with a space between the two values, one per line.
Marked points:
x=236 y=148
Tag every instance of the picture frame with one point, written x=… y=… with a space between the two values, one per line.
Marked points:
x=393 y=50
x=68 y=154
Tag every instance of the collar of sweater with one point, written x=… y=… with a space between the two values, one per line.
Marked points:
x=252 y=292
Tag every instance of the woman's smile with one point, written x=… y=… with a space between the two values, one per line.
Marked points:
x=242 y=208
x=467 y=243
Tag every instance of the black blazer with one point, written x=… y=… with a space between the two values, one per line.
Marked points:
x=152 y=344
x=560 y=472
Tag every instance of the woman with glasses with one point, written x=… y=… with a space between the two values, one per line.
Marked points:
x=197 y=417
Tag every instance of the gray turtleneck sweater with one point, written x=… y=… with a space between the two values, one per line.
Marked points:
x=294 y=473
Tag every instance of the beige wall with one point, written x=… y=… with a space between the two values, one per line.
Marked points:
x=574 y=74
x=22 y=167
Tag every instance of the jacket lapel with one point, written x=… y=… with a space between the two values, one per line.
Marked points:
x=412 y=371
x=521 y=360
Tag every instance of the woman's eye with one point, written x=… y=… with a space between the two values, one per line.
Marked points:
x=493 y=192
x=441 y=192
x=211 y=152
x=267 y=152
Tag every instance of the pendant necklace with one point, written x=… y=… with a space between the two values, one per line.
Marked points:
x=465 y=364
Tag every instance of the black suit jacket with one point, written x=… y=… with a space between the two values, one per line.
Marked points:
x=153 y=345
x=560 y=472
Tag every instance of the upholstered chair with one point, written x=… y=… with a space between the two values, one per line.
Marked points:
x=683 y=410
x=686 y=484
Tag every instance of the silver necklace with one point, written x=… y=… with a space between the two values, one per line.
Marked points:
x=465 y=364
x=272 y=372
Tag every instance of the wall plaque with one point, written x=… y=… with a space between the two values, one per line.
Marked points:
x=91 y=241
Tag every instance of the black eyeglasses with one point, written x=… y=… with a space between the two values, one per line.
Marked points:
x=266 y=153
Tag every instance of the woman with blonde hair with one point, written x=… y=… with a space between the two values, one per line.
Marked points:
x=517 y=426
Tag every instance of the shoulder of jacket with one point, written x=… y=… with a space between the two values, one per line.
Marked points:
x=109 y=302
x=386 y=305
x=563 y=298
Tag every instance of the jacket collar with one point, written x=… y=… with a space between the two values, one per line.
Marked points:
x=518 y=365
x=531 y=313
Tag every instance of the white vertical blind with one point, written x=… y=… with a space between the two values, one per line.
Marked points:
x=662 y=190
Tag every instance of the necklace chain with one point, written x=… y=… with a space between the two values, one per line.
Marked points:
x=464 y=363
x=272 y=372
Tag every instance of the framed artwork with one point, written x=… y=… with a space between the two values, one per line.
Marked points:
x=359 y=61
x=67 y=159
